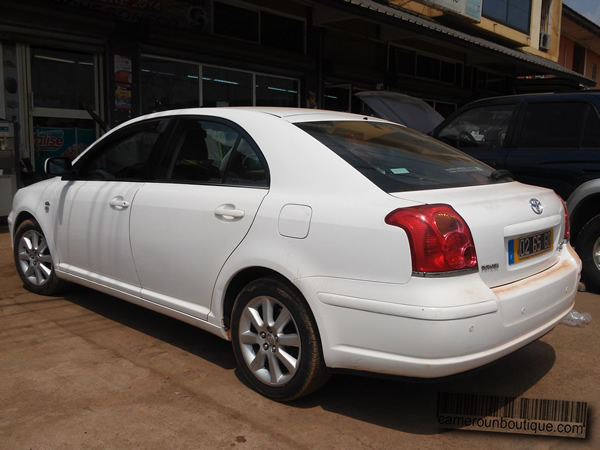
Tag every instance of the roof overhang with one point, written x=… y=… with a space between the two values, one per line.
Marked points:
x=481 y=51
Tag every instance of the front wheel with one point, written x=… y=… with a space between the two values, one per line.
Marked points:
x=588 y=249
x=275 y=341
x=34 y=261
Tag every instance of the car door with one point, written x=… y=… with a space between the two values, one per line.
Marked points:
x=185 y=227
x=556 y=145
x=94 y=211
x=482 y=131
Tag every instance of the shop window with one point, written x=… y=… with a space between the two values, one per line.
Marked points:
x=406 y=62
x=515 y=14
x=261 y=27
x=226 y=87
x=62 y=79
x=428 y=67
x=489 y=81
x=337 y=98
x=436 y=69
x=579 y=58
x=169 y=85
x=274 y=91
x=54 y=136
x=402 y=61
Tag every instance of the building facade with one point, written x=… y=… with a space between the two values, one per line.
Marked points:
x=580 y=45
x=74 y=68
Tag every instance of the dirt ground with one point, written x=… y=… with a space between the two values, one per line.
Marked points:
x=88 y=371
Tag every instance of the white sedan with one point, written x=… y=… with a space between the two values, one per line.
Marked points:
x=313 y=240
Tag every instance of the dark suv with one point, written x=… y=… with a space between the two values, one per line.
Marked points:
x=551 y=140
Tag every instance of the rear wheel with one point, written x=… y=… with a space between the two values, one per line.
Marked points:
x=588 y=248
x=33 y=260
x=275 y=341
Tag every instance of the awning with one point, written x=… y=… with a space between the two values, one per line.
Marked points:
x=528 y=64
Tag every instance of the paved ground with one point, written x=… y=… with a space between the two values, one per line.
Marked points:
x=90 y=371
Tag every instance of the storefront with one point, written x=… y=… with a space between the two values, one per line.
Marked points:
x=74 y=68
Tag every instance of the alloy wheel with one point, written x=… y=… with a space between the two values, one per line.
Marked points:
x=34 y=257
x=269 y=341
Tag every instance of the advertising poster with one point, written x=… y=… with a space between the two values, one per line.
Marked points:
x=123 y=71
x=51 y=142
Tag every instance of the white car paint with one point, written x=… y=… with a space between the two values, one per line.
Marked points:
x=176 y=248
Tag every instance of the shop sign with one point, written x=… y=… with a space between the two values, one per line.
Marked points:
x=466 y=8
x=68 y=142
x=194 y=14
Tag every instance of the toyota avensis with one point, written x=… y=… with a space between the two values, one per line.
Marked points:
x=312 y=240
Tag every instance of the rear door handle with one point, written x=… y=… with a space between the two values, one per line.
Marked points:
x=119 y=202
x=229 y=212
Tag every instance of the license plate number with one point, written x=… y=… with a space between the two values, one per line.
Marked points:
x=526 y=247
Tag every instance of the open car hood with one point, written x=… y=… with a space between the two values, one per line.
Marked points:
x=403 y=109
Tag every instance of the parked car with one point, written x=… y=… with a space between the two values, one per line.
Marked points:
x=550 y=140
x=313 y=240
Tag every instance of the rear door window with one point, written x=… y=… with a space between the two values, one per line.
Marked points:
x=552 y=145
x=396 y=158
x=552 y=125
x=208 y=151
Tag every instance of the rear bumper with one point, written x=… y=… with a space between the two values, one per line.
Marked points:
x=437 y=327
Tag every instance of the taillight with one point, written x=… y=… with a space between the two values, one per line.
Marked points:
x=440 y=240
x=566 y=225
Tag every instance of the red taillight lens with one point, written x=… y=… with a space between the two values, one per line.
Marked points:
x=566 y=225
x=440 y=240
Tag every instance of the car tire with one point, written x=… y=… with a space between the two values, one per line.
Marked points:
x=34 y=261
x=276 y=341
x=588 y=249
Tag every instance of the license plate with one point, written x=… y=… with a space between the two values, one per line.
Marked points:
x=526 y=247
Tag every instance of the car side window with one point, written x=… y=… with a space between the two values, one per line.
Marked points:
x=246 y=167
x=214 y=153
x=123 y=157
x=479 y=127
x=552 y=125
x=200 y=151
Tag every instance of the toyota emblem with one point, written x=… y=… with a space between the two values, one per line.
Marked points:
x=536 y=206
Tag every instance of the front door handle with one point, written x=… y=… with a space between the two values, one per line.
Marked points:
x=229 y=212
x=119 y=203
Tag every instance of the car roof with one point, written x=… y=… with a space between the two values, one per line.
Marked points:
x=291 y=115
x=287 y=113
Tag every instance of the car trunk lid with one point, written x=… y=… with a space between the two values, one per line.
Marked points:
x=517 y=229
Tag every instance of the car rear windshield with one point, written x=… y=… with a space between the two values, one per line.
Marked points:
x=398 y=159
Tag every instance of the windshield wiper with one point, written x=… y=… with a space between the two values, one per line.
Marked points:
x=499 y=174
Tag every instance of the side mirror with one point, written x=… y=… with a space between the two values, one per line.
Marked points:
x=59 y=166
